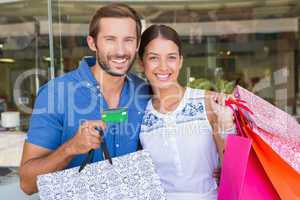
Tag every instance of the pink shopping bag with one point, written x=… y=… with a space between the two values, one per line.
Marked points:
x=242 y=176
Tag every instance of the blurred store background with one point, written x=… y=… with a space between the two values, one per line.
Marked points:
x=253 y=43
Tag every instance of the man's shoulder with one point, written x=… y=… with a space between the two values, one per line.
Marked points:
x=136 y=79
x=61 y=81
x=68 y=77
x=141 y=86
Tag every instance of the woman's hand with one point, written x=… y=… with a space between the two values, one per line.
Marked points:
x=224 y=114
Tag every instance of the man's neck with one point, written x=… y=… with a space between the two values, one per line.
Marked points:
x=106 y=81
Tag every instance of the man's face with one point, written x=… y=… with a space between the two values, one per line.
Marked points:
x=116 y=45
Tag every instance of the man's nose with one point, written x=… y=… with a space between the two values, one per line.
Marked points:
x=120 y=49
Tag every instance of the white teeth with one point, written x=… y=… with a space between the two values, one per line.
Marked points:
x=119 y=60
x=162 y=76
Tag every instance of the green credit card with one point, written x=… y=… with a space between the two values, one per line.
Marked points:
x=115 y=115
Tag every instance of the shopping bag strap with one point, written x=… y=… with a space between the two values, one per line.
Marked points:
x=90 y=156
x=237 y=105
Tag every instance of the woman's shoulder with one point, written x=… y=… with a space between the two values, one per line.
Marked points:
x=206 y=94
x=151 y=120
x=194 y=93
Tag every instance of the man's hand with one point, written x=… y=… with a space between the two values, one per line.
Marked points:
x=86 y=138
x=38 y=160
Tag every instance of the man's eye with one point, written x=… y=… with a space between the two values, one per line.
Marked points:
x=152 y=58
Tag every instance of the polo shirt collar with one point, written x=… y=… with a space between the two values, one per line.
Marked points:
x=85 y=70
x=86 y=74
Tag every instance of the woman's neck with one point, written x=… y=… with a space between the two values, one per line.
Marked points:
x=167 y=99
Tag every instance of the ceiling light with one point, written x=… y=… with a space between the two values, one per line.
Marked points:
x=7 y=60
x=47 y=59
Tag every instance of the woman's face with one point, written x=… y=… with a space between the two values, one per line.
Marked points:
x=161 y=63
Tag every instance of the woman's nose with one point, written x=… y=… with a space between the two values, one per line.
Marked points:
x=163 y=64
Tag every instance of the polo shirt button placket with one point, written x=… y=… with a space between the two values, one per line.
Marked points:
x=113 y=127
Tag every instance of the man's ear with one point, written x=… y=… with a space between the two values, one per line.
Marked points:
x=138 y=46
x=91 y=43
x=141 y=64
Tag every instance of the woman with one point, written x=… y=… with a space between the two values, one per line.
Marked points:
x=181 y=126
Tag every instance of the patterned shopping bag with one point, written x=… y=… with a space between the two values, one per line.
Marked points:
x=131 y=177
x=276 y=127
x=254 y=120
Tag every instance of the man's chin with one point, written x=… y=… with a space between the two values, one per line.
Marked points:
x=120 y=70
x=116 y=72
x=113 y=71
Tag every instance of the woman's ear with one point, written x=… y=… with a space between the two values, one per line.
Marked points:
x=181 y=62
x=91 y=43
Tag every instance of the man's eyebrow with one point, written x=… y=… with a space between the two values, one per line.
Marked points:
x=131 y=37
x=109 y=36
x=152 y=53
x=112 y=36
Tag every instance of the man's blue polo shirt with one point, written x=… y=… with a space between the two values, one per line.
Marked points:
x=65 y=102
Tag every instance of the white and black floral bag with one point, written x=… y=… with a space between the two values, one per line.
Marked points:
x=130 y=177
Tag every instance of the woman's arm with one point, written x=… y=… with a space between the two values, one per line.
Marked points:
x=220 y=118
x=220 y=143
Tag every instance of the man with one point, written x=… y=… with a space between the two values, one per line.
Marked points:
x=68 y=108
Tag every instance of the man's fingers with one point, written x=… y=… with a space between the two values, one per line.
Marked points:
x=94 y=132
x=97 y=123
x=94 y=123
x=95 y=138
x=95 y=145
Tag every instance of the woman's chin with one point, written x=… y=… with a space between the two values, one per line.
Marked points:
x=163 y=84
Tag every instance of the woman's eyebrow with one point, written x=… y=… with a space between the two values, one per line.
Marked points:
x=173 y=53
x=157 y=54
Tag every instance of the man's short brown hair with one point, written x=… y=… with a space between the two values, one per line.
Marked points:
x=116 y=10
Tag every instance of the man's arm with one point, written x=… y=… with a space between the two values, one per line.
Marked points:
x=37 y=160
